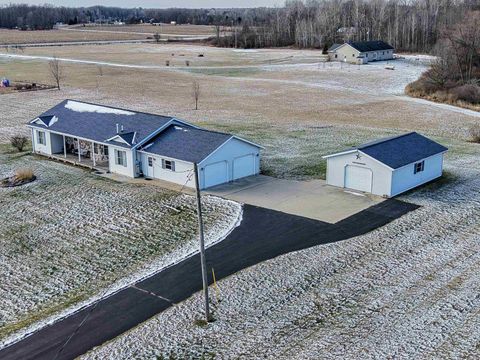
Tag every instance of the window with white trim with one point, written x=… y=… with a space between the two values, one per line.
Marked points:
x=168 y=164
x=41 y=138
x=121 y=158
x=419 y=167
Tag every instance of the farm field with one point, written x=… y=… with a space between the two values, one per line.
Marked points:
x=179 y=30
x=71 y=236
x=282 y=98
x=10 y=37
x=103 y=33
x=339 y=299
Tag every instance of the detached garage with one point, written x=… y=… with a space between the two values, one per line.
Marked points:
x=220 y=157
x=387 y=167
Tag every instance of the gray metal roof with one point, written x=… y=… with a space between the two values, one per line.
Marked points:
x=402 y=150
x=334 y=46
x=185 y=143
x=101 y=125
x=375 y=45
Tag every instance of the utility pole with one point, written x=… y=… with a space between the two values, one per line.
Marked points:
x=202 y=244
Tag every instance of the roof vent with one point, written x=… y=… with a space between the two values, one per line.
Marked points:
x=121 y=128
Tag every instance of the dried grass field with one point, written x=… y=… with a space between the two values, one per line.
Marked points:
x=71 y=235
x=11 y=37
x=407 y=290
x=103 y=33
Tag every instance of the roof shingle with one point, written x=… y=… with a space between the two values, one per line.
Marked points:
x=402 y=150
x=185 y=143
x=365 y=46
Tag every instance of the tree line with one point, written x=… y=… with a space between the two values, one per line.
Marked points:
x=409 y=25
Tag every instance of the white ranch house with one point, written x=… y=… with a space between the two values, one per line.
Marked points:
x=361 y=52
x=136 y=144
x=387 y=167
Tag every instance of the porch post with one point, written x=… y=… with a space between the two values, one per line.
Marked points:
x=64 y=147
x=78 y=148
x=93 y=153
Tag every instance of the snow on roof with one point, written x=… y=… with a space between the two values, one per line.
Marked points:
x=99 y=123
x=84 y=107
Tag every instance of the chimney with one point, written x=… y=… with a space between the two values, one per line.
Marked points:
x=118 y=128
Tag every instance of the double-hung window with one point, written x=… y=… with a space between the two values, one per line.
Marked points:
x=419 y=167
x=41 y=138
x=121 y=158
x=168 y=164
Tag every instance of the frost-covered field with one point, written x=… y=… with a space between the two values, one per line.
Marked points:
x=407 y=290
x=71 y=236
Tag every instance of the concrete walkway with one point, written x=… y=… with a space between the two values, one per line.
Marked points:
x=263 y=234
x=311 y=199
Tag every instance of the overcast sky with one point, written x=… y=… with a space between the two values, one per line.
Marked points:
x=153 y=3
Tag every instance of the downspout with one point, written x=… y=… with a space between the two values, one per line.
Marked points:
x=33 y=140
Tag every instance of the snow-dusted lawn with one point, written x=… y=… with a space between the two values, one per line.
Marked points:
x=71 y=236
x=407 y=290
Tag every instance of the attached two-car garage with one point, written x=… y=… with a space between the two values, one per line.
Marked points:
x=219 y=173
x=220 y=157
x=235 y=159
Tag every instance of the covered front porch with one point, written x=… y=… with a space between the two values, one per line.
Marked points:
x=80 y=152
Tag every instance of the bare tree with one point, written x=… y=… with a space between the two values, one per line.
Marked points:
x=196 y=92
x=56 y=71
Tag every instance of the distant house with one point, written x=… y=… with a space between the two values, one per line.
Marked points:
x=387 y=167
x=138 y=144
x=361 y=52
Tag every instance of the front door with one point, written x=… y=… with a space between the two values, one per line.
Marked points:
x=150 y=172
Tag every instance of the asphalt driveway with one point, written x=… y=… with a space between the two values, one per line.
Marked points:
x=262 y=235
x=312 y=199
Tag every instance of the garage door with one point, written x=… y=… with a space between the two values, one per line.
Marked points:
x=358 y=178
x=243 y=166
x=215 y=174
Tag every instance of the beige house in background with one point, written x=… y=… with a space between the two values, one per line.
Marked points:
x=361 y=52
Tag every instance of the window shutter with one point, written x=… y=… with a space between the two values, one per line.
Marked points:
x=173 y=165
x=163 y=163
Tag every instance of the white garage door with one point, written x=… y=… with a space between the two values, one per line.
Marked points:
x=243 y=166
x=358 y=178
x=215 y=174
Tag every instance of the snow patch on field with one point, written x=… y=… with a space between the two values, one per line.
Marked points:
x=71 y=238
x=83 y=107
x=408 y=289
